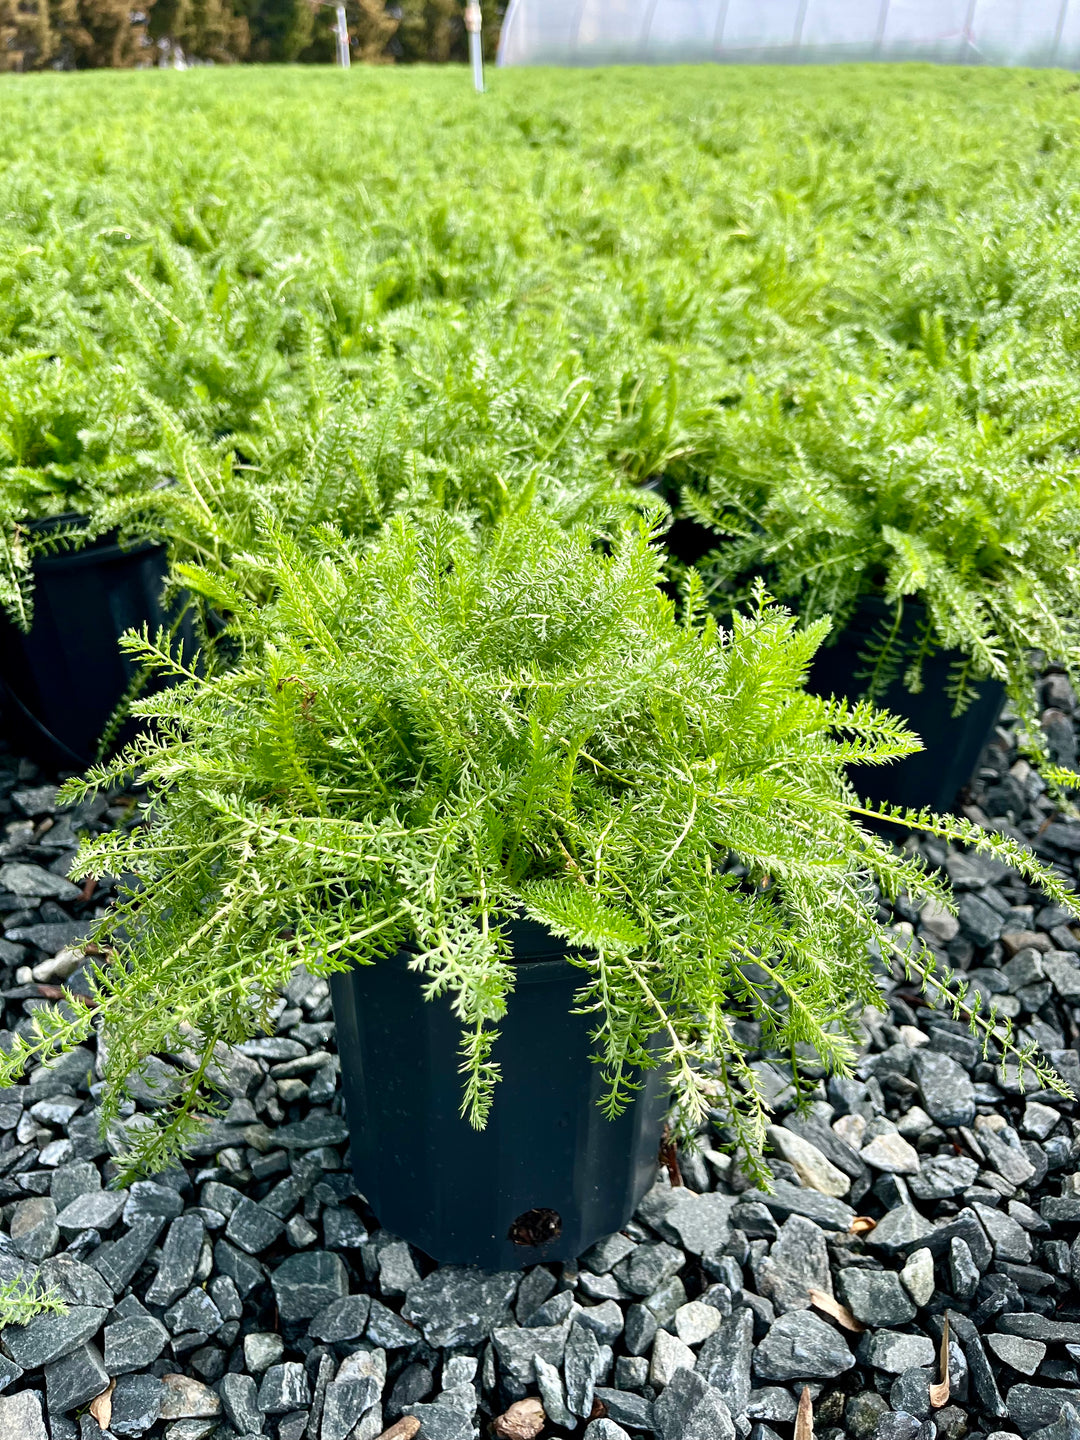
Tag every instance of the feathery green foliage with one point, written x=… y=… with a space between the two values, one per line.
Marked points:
x=614 y=275
x=422 y=737
x=933 y=478
x=22 y=1300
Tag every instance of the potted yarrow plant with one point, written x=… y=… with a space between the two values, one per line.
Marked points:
x=549 y=839
x=70 y=582
x=106 y=494
x=933 y=512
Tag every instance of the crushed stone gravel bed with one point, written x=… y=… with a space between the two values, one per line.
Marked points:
x=251 y=1292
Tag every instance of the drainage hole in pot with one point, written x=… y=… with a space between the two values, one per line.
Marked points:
x=536 y=1227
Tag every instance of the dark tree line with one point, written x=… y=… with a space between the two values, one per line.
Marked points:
x=86 y=34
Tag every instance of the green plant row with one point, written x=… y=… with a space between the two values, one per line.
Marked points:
x=829 y=309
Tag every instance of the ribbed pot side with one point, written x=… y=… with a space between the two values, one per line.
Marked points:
x=952 y=743
x=547 y=1176
x=61 y=682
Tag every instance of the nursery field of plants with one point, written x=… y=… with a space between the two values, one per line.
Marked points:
x=475 y=818
x=837 y=305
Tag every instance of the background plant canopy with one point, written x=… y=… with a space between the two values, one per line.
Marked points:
x=115 y=34
x=842 y=292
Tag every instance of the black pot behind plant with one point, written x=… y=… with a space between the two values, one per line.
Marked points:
x=548 y=1175
x=952 y=743
x=61 y=682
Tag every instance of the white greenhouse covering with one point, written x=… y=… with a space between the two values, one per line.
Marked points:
x=599 y=32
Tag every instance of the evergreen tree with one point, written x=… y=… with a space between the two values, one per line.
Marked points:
x=207 y=29
x=371 y=29
x=279 y=29
x=28 y=34
x=432 y=30
x=108 y=34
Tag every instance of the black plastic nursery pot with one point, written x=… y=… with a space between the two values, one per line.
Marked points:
x=952 y=743
x=689 y=541
x=548 y=1175
x=60 y=684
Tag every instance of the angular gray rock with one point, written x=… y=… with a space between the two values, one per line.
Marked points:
x=948 y=1095
x=94 y=1210
x=966 y=1227
x=77 y=1177
x=387 y=1329
x=21 y=1418
x=895 y=1352
x=625 y=1408
x=689 y=1408
x=875 y=1297
x=194 y=1311
x=891 y=1154
x=442 y=1422
x=307 y=1283
x=75 y=1380
x=179 y=1256
x=284 y=1388
x=1033 y=1407
x=346 y=1401
x=640 y=1329
x=980 y=921
x=980 y=1373
x=811 y=1165
x=1006 y=1155
x=669 y=1356
x=74 y=1282
x=341 y=1320
x=147 y=1197
x=133 y=1344
x=702 y=1222
x=800 y=1346
x=917 y=1276
x=252 y=1227
x=584 y=1362
x=725 y=1360
x=315 y=1131
x=605 y=1429
x=900 y=1231
x=1019 y=1354
x=963 y=1272
x=1010 y=1240
x=798 y=1260
x=824 y=1210
x=456 y=1307
x=34 y=882
x=51 y=1337
x=240 y=1403
x=518 y=1349
x=118 y=1260
x=943 y=1176
x=261 y=1350
x=1066 y=1427
x=647 y=1267
x=244 y=1271
x=136 y=1404
x=33 y=1228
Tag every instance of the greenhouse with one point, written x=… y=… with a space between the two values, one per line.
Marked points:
x=979 y=32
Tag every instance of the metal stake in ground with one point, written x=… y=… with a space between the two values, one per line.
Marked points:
x=341 y=34
x=476 y=44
